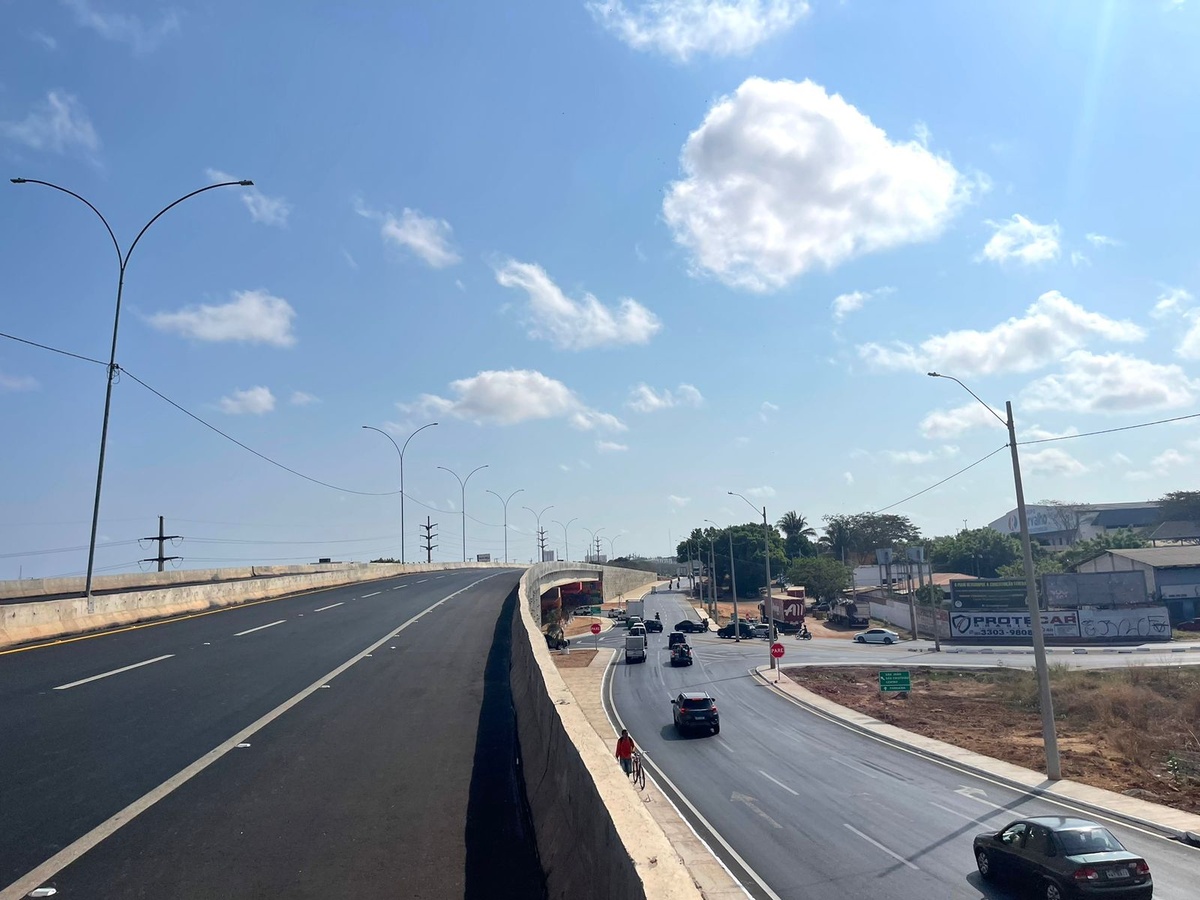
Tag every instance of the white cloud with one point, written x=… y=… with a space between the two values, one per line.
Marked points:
x=948 y=423
x=59 y=124
x=741 y=440
x=919 y=457
x=576 y=324
x=761 y=493
x=564 y=467
x=1120 y=459
x=1038 y=433
x=1052 y=461
x=427 y=237
x=47 y=41
x=264 y=209
x=300 y=398
x=783 y=177
x=255 y=317
x=681 y=29
x=844 y=304
x=15 y=383
x=610 y=447
x=1101 y=240
x=1079 y=259
x=123 y=27
x=350 y=260
x=848 y=477
x=1022 y=240
x=678 y=502
x=645 y=399
x=254 y=401
x=1178 y=302
x=767 y=410
x=1170 y=459
x=1172 y=301
x=1110 y=383
x=1050 y=328
x=513 y=396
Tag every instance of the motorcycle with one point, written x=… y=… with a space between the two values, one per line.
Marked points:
x=804 y=635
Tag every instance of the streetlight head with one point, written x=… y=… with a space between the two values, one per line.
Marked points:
x=934 y=374
x=246 y=182
x=17 y=180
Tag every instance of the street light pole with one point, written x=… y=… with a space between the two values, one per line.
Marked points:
x=566 y=542
x=400 y=450
x=462 y=483
x=767 y=562
x=505 y=502
x=732 y=582
x=1045 y=697
x=612 y=553
x=113 y=368
x=538 y=516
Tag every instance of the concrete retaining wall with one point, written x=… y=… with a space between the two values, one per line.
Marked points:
x=49 y=619
x=594 y=837
x=619 y=581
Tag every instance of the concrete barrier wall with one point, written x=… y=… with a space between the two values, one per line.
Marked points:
x=50 y=619
x=619 y=581
x=595 y=839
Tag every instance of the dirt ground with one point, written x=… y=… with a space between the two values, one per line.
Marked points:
x=576 y=659
x=580 y=625
x=1135 y=730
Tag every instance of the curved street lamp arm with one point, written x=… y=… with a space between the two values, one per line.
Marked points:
x=386 y=435
x=83 y=200
x=461 y=483
x=472 y=472
x=243 y=183
x=748 y=503
x=971 y=392
x=414 y=434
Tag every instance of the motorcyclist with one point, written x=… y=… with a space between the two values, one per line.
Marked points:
x=657 y=617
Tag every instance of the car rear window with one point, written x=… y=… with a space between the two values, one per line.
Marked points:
x=696 y=704
x=1088 y=840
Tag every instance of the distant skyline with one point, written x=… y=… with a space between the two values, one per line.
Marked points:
x=630 y=255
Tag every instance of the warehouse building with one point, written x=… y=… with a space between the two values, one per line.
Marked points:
x=1172 y=575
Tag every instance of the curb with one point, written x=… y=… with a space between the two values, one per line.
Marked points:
x=1188 y=837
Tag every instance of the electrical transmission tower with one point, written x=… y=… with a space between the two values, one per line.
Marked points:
x=541 y=544
x=429 y=546
x=162 y=539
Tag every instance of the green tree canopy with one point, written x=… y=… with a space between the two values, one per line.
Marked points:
x=747 y=554
x=799 y=535
x=1179 y=506
x=975 y=551
x=858 y=536
x=823 y=578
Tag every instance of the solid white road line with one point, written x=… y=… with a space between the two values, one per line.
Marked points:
x=63 y=687
x=955 y=812
x=778 y=782
x=375 y=594
x=330 y=606
x=872 y=841
x=63 y=858
x=260 y=628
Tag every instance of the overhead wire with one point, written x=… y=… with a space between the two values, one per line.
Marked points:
x=20 y=340
x=1068 y=437
x=943 y=481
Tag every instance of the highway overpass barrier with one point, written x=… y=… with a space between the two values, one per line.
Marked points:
x=594 y=837
x=154 y=597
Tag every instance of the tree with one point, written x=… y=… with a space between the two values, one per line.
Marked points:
x=747 y=554
x=976 y=551
x=1179 y=506
x=861 y=534
x=823 y=578
x=1067 y=515
x=799 y=534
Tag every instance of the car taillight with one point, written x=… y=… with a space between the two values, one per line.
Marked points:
x=1141 y=867
x=713 y=707
x=1087 y=873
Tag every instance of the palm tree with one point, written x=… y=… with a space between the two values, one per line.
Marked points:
x=795 y=525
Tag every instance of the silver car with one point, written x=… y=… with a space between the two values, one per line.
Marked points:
x=876 y=636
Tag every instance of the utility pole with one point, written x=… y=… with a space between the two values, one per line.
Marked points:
x=430 y=534
x=597 y=550
x=162 y=538
x=541 y=535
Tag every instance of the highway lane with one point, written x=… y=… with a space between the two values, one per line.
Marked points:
x=76 y=755
x=817 y=810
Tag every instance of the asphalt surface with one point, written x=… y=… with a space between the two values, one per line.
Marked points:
x=315 y=746
x=799 y=806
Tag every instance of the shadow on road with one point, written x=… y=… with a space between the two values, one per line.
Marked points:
x=989 y=891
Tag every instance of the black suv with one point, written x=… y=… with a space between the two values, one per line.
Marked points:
x=690 y=626
x=726 y=631
x=696 y=709
x=653 y=625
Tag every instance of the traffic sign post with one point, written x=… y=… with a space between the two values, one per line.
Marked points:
x=777 y=653
x=596 y=632
x=895 y=680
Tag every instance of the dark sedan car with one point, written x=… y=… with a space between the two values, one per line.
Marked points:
x=1061 y=857
x=696 y=709
x=726 y=631
x=687 y=625
x=653 y=625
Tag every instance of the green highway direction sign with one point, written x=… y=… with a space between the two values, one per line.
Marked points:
x=895 y=680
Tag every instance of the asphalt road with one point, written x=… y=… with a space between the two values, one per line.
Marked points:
x=352 y=741
x=799 y=806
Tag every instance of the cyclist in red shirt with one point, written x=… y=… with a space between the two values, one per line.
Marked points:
x=625 y=748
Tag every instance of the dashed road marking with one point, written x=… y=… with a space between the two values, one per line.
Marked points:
x=260 y=628
x=63 y=687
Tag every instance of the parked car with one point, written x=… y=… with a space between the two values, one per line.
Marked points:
x=744 y=630
x=1193 y=625
x=762 y=630
x=823 y=606
x=676 y=637
x=689 y=626
x=681 y=655
x=653 y=625
x=1063 y=856
x=876 y=636
x=696 y=709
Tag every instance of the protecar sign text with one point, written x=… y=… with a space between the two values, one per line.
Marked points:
x=1063 y=623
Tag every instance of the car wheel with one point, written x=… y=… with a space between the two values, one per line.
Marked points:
x=859 y=639
x=716 y=729
x=984 y=862
x=1053 y=891
x=888 y=640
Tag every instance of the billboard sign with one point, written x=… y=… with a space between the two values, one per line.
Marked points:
x=883 y=557
x=1148 y=623
x=988 y=593
x=1103 y=589
x=483 y=557
x=1041 y=521
x=1055 y=624
x=1180 y=591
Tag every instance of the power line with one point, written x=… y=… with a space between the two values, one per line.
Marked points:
x=1068 y=437
x=54 y=550
x=249 y=449
x=13 y=337
x=943 y=481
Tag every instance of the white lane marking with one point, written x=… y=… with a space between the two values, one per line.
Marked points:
x=724 y=746
x=422 y=581
x=977 y=795
x=330 y=606
x=399 y=586
x=961 y=815
x=778 y=782
x=872 y=841
x=260 y=628
x=63 y=858
x=375 y=594
x=63 y=687
x=752 y=804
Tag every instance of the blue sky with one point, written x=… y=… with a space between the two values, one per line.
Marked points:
x=631 y=256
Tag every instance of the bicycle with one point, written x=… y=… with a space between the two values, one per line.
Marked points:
x=636 y=772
